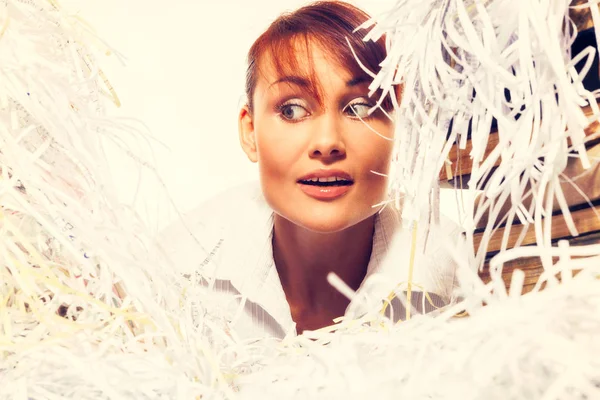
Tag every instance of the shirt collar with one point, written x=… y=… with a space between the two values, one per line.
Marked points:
x=248 y=255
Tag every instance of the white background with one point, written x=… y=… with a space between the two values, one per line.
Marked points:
x=184 y=78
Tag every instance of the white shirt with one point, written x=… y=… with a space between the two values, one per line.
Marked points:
x=229 y=238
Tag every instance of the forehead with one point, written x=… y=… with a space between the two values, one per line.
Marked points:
x=304 y=58
x=298 y=55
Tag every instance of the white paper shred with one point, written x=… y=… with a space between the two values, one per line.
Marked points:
x=455 y=60
x=91 y=308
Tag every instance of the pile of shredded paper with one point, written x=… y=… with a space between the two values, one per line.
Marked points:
x=90 y=308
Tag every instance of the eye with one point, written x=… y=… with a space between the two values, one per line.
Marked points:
x=292 y=112
x=359 y=109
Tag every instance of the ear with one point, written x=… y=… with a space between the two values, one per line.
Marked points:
x=247 y=135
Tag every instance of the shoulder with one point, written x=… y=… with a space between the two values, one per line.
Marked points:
x=448 y=227
x=199 y=231
x=437 y=243
x=218 y=208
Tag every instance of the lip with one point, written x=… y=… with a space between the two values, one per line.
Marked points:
x=325 y=192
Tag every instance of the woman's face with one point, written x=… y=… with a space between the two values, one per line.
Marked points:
x=295 y=140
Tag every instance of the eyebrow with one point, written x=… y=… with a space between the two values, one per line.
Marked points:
x=303 y=82
x=358 y=80
x=296 y=80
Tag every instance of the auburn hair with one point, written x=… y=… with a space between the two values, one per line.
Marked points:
x=329 y=24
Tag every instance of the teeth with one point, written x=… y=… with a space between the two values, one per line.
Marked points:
x=330 y=179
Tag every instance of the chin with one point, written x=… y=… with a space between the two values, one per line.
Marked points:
x=321 y=222
x=325 y=227
x=320 y=217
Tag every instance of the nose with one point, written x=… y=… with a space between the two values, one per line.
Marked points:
x=328 y=139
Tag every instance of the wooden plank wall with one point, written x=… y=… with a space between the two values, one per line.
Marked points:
x=586 y=218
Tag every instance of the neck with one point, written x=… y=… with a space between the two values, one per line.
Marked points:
x=304 y=259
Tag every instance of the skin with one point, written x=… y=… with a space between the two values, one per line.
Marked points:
x=289 y=133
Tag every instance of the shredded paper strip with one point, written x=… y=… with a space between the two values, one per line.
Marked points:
x=90 y=308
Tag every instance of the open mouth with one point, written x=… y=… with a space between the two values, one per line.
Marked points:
x=327 y=182
x=326 y=188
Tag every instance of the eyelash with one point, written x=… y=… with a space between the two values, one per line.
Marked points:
x=366 y=104
x=279 y=109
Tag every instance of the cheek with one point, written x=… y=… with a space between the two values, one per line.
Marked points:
x=278 y=151
x=375 y=151
x=375 y=154
x=277 y=163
